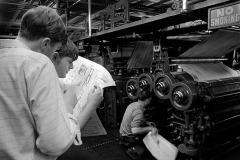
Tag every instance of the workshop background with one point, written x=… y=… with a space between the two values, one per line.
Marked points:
x=186 y=52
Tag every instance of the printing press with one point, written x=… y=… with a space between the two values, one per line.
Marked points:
x=196 y=105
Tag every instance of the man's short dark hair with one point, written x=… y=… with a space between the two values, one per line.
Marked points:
x=144 y=94
x=41 y=22
x=69 y=50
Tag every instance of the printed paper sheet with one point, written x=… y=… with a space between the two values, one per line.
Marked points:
x=94 y=127
x=217 y=45
x=209 y=71
x=159 y=147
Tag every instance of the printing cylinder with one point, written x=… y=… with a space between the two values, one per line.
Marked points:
x=132 y=89
x=183 y=96
x=183 y=77
x=145 y=81
x=162 y=85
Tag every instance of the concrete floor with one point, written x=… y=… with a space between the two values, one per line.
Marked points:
x=104 y=147
x=107 y=147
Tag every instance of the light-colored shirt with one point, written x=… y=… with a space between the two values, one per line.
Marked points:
x=133 y=117
x=34 y=123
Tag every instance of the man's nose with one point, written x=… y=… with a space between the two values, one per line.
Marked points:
x=71 y=66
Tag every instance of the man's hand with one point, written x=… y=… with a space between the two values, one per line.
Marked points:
x=154 y=130
x=95 y=96
x=151 y=124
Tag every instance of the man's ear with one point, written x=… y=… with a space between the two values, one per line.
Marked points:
x=55 y=58
x=45 y=42
x=44 y=45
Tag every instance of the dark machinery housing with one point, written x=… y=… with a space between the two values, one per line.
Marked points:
x=202 y=116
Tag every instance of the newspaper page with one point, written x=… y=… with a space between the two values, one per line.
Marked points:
x=159 y=147
x=84 y=76
x=93 y=127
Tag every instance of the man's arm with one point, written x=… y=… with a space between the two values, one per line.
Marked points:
x=94 y=99
x=141 y=130
x=136 y=124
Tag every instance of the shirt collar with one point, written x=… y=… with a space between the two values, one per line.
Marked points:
x=12 y=43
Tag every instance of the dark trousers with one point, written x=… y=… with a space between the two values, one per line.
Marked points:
x=133 y=145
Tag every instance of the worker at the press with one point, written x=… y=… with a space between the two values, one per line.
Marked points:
x=34 y=121
x=134 y=124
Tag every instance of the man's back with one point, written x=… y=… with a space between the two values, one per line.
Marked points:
x=25 y=106
x=133 y=117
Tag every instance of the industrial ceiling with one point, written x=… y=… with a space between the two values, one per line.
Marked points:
x=75 y=13
x=71 y=11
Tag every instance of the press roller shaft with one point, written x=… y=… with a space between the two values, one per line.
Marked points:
x=196 y=60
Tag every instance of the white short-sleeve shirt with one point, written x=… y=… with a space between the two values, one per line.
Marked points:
x=34 y=124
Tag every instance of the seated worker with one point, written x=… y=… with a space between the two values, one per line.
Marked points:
x=134 y=124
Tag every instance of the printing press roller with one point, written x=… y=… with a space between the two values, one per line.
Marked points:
x=163 y=83
x=132 y=89
x=185 y=60
x=201 y=114
x=193 y=94
x=145 y=81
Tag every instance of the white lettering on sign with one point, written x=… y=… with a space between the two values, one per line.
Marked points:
x=224 y=11
x=225 y=20
x=226 y=16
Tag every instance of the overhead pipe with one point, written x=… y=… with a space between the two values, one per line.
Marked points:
x=76 y=27
x=46 y=2
x=16 y=4
x=31 y=2
x=195 y=60
x=7 y=37
x=74 y=4
x=184 y=6
x=89 y=19
x=11 y=23
x=66 y=18
x=97 y=4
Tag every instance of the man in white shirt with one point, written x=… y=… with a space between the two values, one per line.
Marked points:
x=34 y=123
